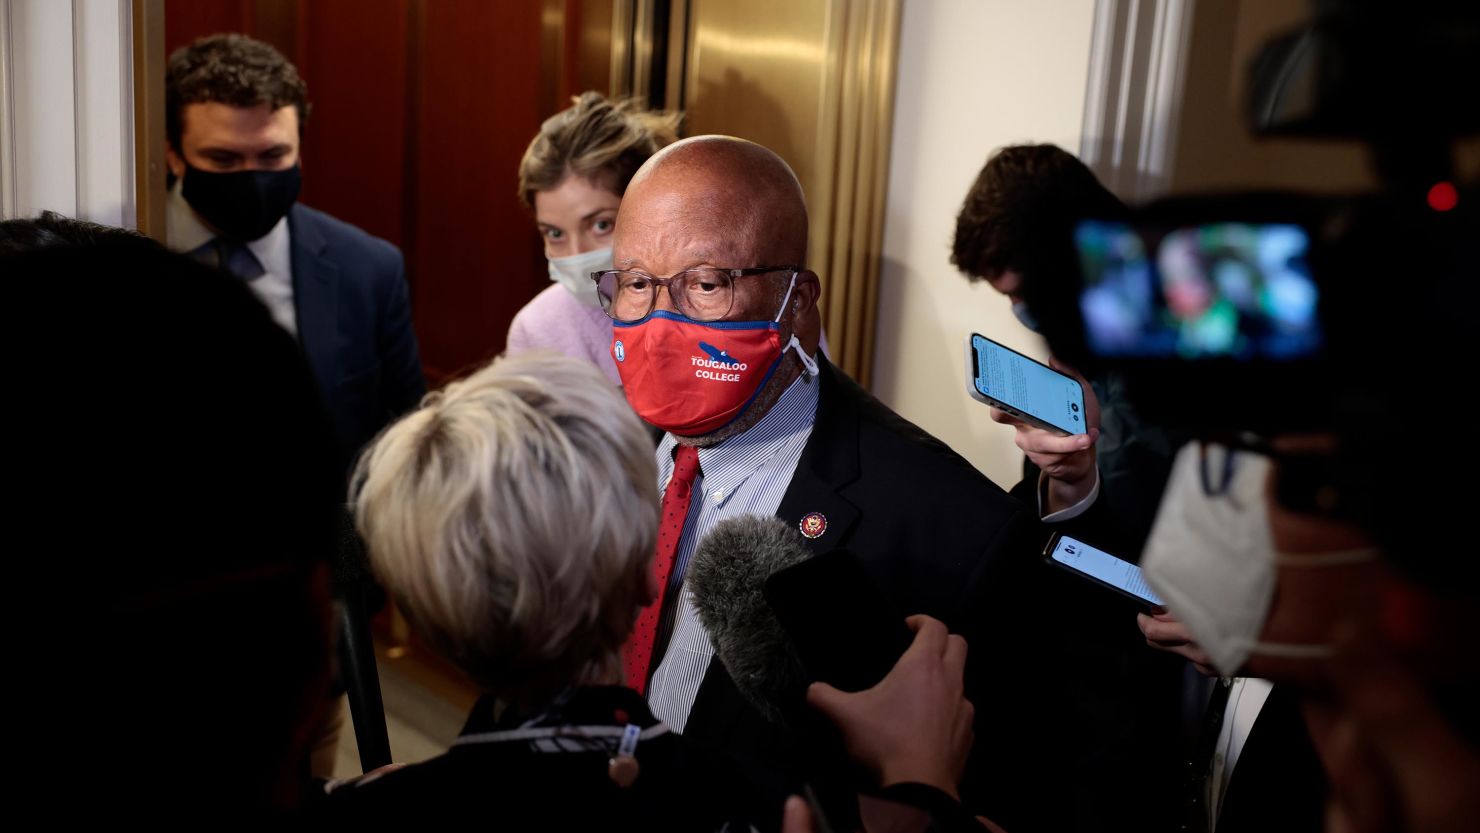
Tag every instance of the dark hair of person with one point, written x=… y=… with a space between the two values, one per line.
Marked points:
x=230 y=69
x=177 y=499
x=51 y=230
x=1022 y=207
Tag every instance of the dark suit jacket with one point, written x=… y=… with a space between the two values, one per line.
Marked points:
x=354 y=323
x=510 y=785
x=1278 y=783
x=1127 y=698
x=938 y=538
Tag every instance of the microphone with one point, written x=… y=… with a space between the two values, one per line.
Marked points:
x=727 y=577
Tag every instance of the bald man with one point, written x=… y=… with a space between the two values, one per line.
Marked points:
x=716 y=336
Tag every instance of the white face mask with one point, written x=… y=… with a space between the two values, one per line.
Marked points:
x=574 y=273
x=1211 y=557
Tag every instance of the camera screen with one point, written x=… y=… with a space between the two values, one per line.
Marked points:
x=1225 y=290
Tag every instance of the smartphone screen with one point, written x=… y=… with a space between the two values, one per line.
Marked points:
x=1035 y=389
x=1098 y=564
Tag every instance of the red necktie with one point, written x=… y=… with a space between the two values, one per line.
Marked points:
x=637 y=654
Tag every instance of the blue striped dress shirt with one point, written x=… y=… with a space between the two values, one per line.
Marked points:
x=745 y=475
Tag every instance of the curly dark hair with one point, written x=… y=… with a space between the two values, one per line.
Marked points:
x=230 y=69
x=1023 y=206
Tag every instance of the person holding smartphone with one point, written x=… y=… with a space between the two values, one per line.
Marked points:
x=1015 y=231
x=1101 y=484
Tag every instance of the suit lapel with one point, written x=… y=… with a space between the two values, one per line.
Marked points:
x=828 y=463
x=315 y=295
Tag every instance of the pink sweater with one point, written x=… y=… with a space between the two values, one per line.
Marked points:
x=554 y=320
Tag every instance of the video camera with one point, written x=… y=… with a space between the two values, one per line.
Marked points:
x=1242 y=316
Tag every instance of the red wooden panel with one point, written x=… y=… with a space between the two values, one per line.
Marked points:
x=478 y=258
x=355 y=63
x=186 y=20
x=421 y=111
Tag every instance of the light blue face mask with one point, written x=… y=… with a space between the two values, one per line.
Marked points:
x=1024 y=317
x=574 y=273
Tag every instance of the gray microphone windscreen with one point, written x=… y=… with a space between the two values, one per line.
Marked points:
x=727 y=577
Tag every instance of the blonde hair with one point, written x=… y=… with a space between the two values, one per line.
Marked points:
x=513 y=517
x=596 y=139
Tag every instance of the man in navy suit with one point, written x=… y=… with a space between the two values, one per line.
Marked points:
x=235 y=111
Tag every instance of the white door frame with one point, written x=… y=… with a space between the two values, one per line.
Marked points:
x=1133 y=103
x=67 y=109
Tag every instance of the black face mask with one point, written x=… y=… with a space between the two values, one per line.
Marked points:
x=243 y=205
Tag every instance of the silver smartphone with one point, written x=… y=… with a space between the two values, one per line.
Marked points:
x=1029 y=390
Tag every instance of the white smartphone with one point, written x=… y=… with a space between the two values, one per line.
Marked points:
x=1100 y=567
x=1029 y=390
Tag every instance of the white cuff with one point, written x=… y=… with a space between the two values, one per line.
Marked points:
x=1071 y=512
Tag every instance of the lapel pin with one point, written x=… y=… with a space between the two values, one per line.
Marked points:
x=813 y=524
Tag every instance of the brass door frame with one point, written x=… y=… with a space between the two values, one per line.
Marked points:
x=149 y=139
x=844 y=165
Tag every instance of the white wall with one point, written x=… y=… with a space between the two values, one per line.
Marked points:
x=973 y=75
x=66 y=109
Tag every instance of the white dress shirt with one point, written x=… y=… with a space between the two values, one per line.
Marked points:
x=747 y=474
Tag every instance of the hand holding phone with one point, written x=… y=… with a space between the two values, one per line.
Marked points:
x=1165 y=632
x=1068 y=459
x=1028 y=390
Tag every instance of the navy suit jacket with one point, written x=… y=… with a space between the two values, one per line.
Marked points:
x=354 y=324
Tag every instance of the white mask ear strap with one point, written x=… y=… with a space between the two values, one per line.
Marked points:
x=807 y=361
x=787 y=299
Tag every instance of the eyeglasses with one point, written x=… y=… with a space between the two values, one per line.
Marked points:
x=701 y=294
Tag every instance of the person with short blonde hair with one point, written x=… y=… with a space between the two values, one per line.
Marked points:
x=514 y=518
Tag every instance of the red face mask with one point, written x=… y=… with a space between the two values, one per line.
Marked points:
x=692 y=378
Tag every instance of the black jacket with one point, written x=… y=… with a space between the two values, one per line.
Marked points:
x=354 y=324
x=558 y=783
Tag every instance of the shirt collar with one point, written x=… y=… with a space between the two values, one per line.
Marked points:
x=186 y=232
x=183 y=229
x=726 y=465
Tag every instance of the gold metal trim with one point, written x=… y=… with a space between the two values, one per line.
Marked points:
x=854 y=139
x=149 y=138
